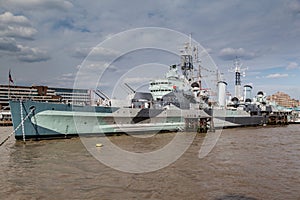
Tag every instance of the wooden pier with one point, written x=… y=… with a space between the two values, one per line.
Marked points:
x=278 y=118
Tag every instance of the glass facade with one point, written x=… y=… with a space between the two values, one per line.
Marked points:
x=39 y=93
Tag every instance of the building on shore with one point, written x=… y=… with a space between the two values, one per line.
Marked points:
x=74 y=96
x=42 y=94
x=284 y=100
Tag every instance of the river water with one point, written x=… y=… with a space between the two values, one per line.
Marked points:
x=245 y=164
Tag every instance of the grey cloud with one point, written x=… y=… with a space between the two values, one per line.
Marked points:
x=294 y=6
x=231 y=53
x=8 y=45
x=94 y=53
x=39 y=4
x=67 y=77
x=16 y=26
x=257 y=26
x=81 y=52
x=32 y=55
x=23 y=53
x=17 y=32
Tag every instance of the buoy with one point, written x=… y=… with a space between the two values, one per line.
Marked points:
x=99 y=145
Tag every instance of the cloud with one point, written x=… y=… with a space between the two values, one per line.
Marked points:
x=292 y=65
x=294 y=6
x=94 y=53
x=17 y=32
x=81 y=52
x=70 y=24
x=28 y=54
x=135 y=80
x=67 y=77
x=9 y=18
x=16 y=26
x=104 y=51
x=23 y=53
x=231 y=53
x=277 y=75
x=256 y=28
x=9 y=45
x=39 y=4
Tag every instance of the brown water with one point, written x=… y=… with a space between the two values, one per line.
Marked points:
x=246 y=164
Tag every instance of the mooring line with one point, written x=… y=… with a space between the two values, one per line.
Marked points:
x=21 y=124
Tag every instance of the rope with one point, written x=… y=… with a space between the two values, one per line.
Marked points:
x=22 y=122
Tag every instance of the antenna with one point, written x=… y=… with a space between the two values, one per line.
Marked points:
x=238 y=70
x=189 y=58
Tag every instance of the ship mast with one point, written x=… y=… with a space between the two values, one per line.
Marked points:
x=238 y=70
x=189 y=57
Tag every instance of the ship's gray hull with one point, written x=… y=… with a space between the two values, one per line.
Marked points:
x=61 y=120
x=224 y=118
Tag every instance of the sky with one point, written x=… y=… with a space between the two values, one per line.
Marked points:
x=47 y=42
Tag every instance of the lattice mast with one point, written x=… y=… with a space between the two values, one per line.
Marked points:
x=238 y=70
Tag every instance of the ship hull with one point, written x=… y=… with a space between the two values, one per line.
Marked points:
x=50 y=120
x=228 y=122
x=224 y=118
x=62 y=120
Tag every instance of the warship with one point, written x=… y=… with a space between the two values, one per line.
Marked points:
x=174 y=103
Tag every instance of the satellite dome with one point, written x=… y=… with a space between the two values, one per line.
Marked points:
x=260 y=93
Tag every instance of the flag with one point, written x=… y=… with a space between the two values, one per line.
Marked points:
x=10 y=78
